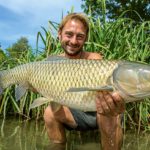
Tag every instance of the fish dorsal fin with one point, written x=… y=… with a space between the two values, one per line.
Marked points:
x=39 y=101
x=21 y=90
x=55 y=58
x=99 y=88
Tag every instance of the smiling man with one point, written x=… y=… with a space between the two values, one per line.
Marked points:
x=73 y=33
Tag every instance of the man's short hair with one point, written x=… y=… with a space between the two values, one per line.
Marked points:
x=75 y=16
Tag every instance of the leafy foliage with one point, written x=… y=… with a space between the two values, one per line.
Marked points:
x=115 y=8
x=2 y=55
x=19 y=48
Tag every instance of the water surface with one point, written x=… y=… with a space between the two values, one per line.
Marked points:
x=31 y=135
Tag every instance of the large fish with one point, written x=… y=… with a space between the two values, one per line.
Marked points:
x=74 y=82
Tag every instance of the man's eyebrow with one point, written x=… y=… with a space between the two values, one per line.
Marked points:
x=80 y=33
x=68 y=31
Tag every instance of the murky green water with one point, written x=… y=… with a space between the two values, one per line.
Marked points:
x=31 y=135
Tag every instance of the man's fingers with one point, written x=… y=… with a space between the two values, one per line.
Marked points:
x=102 y=106
x=101 y=101
x=109 y=101
x=119 y=102
x=98 y=106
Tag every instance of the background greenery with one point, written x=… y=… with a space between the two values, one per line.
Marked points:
x=120 y=37
x=114 y=8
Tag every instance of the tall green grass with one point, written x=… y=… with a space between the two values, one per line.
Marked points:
x=121 y=39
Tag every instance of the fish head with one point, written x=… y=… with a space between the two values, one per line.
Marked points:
x=132 y=80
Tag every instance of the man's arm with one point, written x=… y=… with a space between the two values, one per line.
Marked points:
x=109 y=107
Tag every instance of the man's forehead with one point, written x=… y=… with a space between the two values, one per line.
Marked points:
x=74 y=24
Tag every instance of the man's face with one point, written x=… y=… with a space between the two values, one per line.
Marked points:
x=72 y=37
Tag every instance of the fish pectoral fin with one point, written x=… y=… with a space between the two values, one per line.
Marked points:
x=39 y=101
x=98 y=88
x=21 y=90
x=55 y=106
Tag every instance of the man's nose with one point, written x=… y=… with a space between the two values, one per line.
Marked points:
x=74 y=40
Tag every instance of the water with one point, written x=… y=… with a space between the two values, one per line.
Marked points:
x=31 y=135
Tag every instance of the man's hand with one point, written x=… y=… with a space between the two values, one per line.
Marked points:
x=109 y=104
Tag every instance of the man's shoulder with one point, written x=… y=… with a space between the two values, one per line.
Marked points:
x=93 y=55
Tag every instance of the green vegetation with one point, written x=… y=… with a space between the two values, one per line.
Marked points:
x=120 y=39
x=19 y=49
x=115 y=8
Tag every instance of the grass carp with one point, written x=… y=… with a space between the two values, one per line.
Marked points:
x=74 y=82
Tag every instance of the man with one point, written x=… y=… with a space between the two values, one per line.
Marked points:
x=73 y=33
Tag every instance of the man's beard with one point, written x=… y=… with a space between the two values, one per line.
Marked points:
x=69 y=52
x=73 y=54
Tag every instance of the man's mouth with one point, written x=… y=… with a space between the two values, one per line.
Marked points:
x=73 y=46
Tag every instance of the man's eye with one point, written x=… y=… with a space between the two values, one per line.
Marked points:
x=80 y=37
x=68 y=34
